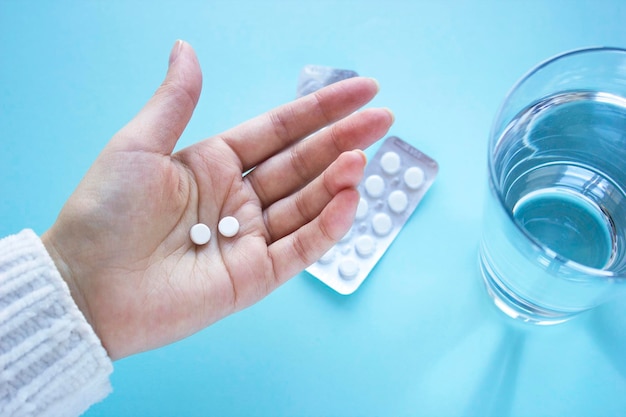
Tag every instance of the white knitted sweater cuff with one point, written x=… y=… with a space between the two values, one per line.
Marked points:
x=51 y=361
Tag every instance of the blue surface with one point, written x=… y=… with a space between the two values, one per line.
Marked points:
x=420 y=337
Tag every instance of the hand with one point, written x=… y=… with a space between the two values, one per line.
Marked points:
x=122 y=240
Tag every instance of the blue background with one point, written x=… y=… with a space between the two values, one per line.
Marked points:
x=420 y=337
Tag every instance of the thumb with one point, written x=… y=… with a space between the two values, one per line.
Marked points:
x=158 y=126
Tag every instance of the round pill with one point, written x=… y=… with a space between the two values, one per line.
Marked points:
x=381 y=224
x=365 y=246
x=228 y=226
x=398 y=201
x=361 y=210
x=200 y=233
x=374 y=185
x=390 y=162
x=348 y=268
x=414 y=177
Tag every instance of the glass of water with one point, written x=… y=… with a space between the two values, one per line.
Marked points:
x=554 y=236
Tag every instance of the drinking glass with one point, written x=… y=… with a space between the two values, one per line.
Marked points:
x=554 y=235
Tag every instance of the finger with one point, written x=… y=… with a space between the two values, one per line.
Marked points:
x=294 y=168
x=257 y=139
x=296 y=251
x=158 y=126
x=289 y=214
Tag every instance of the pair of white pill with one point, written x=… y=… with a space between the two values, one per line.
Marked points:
x=200 y=233
x=397 y=200
x=375 y=184
x=413 y=176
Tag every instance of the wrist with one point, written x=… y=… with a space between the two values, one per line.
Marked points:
x=62 y=265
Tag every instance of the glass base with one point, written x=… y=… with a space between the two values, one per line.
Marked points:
x=516 y=307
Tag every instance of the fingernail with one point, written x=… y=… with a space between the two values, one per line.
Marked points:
x=376 y=82
x=178 y=45
x=363 y=155
x=391 y=113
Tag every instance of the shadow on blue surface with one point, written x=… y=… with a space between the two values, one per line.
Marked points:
x=495 y=393
x=608 y=332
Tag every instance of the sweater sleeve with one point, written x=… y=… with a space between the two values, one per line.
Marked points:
x=51 y=361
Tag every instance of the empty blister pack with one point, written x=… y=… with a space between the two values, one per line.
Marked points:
x=395 y=181
x=314 y=77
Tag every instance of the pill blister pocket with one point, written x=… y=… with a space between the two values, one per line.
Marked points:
x=395 y=180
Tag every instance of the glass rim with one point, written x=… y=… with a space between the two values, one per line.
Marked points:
x=590 y=272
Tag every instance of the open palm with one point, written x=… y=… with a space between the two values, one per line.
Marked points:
x=122 y=240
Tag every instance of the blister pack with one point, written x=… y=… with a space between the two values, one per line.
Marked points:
x=395 y=180
x=314 y=77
